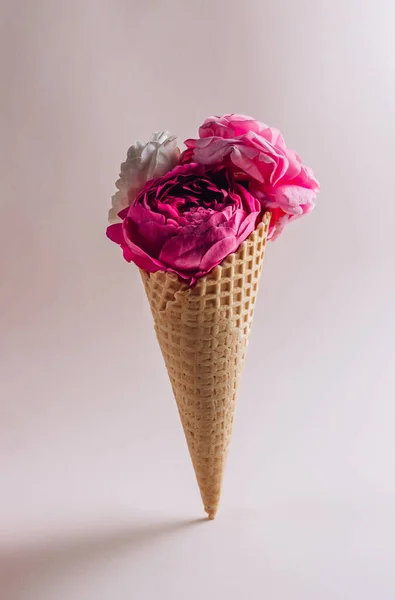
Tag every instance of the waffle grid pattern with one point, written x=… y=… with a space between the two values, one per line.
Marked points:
x=203 y=334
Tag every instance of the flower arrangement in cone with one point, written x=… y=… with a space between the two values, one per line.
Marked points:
x=196 y=223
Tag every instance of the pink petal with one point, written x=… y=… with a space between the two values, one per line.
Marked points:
x=115 y=233
x=183 y=252
x=291 y=197
x=216 y=253
x=148 y=235
x=247 y=226
x=245 y=159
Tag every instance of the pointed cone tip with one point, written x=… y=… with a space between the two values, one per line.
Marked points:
x=211 y=513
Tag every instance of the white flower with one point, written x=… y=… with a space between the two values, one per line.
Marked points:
x=143 y=162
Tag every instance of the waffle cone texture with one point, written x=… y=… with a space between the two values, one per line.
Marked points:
x=203 y=334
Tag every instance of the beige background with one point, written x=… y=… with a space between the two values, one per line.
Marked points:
x=98 y=499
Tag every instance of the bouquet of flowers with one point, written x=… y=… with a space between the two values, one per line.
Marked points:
x=196 y=223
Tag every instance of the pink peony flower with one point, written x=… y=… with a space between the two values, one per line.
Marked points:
x=187 y=221
x=257 y=153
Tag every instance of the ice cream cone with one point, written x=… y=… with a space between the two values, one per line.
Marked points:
x=203 y=333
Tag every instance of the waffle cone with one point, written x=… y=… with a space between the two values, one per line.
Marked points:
x=203 y=333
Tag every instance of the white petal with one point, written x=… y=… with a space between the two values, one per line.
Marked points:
x=144 y=162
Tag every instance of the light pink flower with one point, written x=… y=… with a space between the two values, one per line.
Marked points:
x=257 y=154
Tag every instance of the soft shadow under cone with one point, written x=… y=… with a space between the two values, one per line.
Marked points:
x=203 y=333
